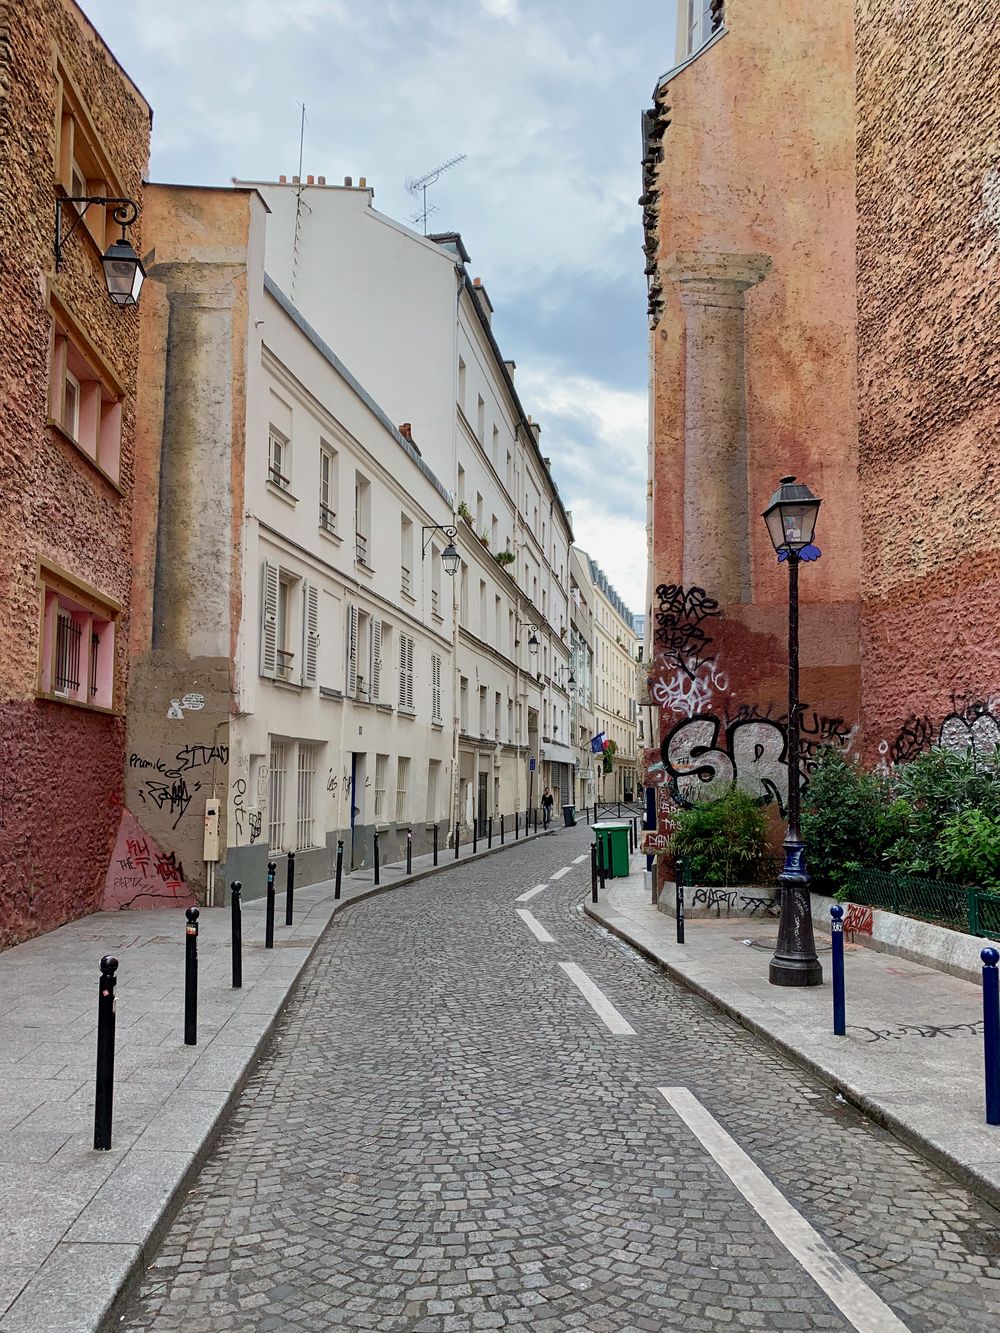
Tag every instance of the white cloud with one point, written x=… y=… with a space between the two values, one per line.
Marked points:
x=502 y=9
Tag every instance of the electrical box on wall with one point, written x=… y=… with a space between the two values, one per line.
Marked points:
x=211 y=852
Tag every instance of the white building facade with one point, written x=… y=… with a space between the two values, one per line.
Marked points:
x=616 y=651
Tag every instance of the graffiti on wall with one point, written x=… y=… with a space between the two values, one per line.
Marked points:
x=141 y=874
x=972 y=727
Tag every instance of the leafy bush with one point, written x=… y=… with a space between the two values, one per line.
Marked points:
x=935 y=786
x=968 y=849
x=849 y=819
x=723 y=842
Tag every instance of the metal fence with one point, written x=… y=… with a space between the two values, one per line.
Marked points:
x=958 y=906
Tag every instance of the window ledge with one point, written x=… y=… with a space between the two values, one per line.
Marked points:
x=407 y=712
x=407 y=597
x=437 y=726
x=688 y=60
x=384 y=708
x=436 y=615
x=280 y=491
x=327 y=693
x=360 y=703
x=78 y=703
x=365 y=568
x=291 y=685
x=330 y=536
x=70 y=439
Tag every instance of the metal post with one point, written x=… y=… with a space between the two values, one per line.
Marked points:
x=289 y=888
x=340 y=867
x=475 y=833
x=376 y=856
x=501 y=831
x=191 y=977
x=593 y=872
x=269 y=907
x=104 y=1095
x=409 y=851
x=517 y=825
x=991 y=1033
x=601 y=867
x=489 y=833
x=837 y=963
x=795 y=962
x=435 y=843
x=536 y=818
x=236 y=913
x=458 y=833
x=679 y=884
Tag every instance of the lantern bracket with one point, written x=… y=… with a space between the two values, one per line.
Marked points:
x=126 y=212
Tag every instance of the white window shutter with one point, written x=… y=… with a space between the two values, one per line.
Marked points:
x=435 y=687
x=269 y=620
x=409 y=673
x=376 y=660
x=352 y=650
x=310 y=633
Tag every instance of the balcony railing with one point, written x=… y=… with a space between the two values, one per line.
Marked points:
x=361 y=548
x=276 y=476
x=327 y=518
x=404 y=581
x=285 y=661
x=435 y=601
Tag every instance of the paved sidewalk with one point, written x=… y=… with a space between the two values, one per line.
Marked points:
x=76 y=1226
x=912 y=1058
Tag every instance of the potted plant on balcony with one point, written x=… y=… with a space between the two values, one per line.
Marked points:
x=464 y=511
x=505 y=557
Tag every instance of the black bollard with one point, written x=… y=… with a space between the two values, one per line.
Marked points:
x=837 y=948
x=679 y=909
x=375 y=854
x=593 y=872
x=489 y=833
x=501 y=830
x=289 y=888
x=340 y=867
x=435 y=844
x=191 y=977
x=458 y=829
x=601 y=868
x=236 y=912
x=272 y=870
x=409 y=851
x=104 y=1096
x=536 y=818
x=517 y=825
x=475 y=834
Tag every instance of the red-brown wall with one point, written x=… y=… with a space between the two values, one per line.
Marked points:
x=61 y=765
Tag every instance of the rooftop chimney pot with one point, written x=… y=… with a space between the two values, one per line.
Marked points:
x=362 y=183
x=295 y=180
x=310 y=180
x=320 y=180
x=406 y=430
x=282 y=180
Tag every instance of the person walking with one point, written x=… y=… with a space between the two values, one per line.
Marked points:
x=548 y=801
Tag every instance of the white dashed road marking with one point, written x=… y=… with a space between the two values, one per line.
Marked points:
x=598 y=1001
x=578 y=859
x=536 y=927
x=523 y=898
x=558 y=874
x=855 y=1300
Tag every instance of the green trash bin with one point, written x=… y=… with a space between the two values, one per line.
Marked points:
x=612 y=838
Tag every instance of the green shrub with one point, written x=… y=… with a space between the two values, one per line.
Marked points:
x=723 y=842
x=968 y=850
x=849 y=819
x=935 y=788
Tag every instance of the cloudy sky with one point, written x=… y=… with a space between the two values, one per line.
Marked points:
x=544 y=97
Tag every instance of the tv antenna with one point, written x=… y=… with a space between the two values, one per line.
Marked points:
x=417 y=186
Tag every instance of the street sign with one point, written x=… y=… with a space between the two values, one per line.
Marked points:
x=654 y=844
x=531 y=763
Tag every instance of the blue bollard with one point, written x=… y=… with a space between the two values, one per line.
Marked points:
x=679 y=908
x=991 y=1033
x=837 y=941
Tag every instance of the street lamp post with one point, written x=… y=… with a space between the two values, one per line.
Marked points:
x=791 y=522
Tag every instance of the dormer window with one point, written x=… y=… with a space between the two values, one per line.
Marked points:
x=704 y=17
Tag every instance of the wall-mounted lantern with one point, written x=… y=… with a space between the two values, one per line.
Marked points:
x=450 y=557
x=123 y=270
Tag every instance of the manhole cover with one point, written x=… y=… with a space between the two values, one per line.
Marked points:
x=770 y=943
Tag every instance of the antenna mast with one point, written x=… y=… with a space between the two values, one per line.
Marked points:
x=418 y=188
x=298 y=204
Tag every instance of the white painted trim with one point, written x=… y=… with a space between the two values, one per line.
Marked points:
x=853 y=1297
x=535 y=926
x=598 y=1001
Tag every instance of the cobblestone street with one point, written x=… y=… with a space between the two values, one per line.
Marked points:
x=446 y=1136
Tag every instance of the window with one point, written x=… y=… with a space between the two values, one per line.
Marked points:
x=479 y=515
x=436 y=688
x=306 y=820
x=463 y=715
x=289 y=630
x=461 y=384
x=406 y=557
x=362 y=518
x=277 y=770
x=381 y=770
x=703 y=18
x=279 y=458
x=496 y=716
x=436 y=582
x=463 y=600
x=510 y=471
x=483 y=624
x=327 y=488
x=82 y=166
x=406 y=672
x=494 y=534
x=480 y=419
x=510 y=722
x=497 y=621
x=85 y=401
x=402 y=783
x=77 y=658
x=433 y=777
x=461 y=484
x=496 y=447
x=482 y=710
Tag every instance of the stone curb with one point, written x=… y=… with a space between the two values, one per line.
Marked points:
x=985 y=1186
x=105 y=1275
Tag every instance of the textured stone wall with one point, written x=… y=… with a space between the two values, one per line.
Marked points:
x=929 y=360
x=749 y=218
x=60 y=766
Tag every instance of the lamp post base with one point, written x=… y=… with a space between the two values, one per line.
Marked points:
x=794 y=962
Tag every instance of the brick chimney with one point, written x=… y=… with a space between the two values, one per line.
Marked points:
x=406 y=430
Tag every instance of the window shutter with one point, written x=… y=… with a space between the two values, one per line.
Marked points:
x=310 y=633
x=376 y=660
x=409 y=673
x=352 y=650
x=269 y=620
x=435 y=687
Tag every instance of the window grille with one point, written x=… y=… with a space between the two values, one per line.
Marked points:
x=402 y=782
x=277 y=458
x=404 y=581
x=436 y=688
x=276 y=796
x=381 y=769
x=67 y=674
x=95 y=648
x=327 y=512
x=305 y=823
x=361 y=547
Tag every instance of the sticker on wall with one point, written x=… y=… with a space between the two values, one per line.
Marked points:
x=175 y=712
x=193 y=702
